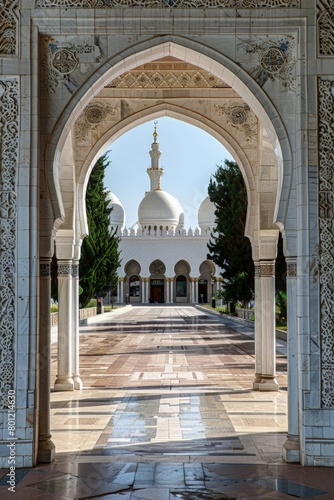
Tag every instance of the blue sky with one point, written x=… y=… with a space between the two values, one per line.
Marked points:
x=189 y=157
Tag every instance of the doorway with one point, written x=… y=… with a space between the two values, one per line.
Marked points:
x=158 y=291
x=203 y=291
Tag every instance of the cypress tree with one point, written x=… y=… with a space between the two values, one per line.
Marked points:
x=100 y=256
x=228 y=247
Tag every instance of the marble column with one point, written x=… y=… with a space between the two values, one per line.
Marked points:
x=196 y=290
x=117 y=293
x=291 y=447
x=64 y=380
x=167 y=291
x=192 y=290
x=147 y=285
x=121 y=284
x=258 y=326
x=268 y=348
x=142 y=291
x=46 y=448
x=172 y=291
x=75 y=326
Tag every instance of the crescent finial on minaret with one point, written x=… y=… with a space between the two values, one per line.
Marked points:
x=155 y=133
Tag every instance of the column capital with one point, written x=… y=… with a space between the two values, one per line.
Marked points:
x=64 y=268
x=45 y=268
x=265 y=246
x=267 y=268
x=65 y=244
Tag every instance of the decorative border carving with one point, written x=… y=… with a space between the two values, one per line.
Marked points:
x=257 y=270
x=8 y=27
x=276 y=60
x=45 y=270
x=267 y=270
x=229 y=4
x=64 y=269
x=158 y=78
x=241 y=117
x=325 y=22
x=326 y=235
x=9 y=116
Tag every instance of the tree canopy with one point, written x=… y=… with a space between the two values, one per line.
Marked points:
x=100 y=256
x=228 y=246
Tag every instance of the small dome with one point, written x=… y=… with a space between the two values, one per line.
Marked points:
x=159 y=208
x=206 y=214
x=117 y=216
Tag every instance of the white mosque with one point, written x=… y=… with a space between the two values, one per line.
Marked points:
x=162 y=262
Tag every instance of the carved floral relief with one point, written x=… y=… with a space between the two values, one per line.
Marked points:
x=231 y=4
x=8 y=214
x=270 y=59
x=8 y=27
x=325 y=23
x=326 y=230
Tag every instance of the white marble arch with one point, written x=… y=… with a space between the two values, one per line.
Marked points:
x=167 y=109
x=263 y=239
x=194 y=53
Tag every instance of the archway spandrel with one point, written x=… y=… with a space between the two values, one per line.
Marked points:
x=131 y=113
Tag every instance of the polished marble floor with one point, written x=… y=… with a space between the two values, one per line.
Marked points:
x=167 y=412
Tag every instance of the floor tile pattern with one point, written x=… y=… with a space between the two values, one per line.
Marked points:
x=167 y=412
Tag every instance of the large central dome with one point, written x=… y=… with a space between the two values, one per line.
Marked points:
x=159 y=208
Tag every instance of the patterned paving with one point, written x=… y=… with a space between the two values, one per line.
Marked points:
x=167 y=412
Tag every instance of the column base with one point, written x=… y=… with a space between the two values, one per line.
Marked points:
x=46 y=451
x=256 y=383
x=268 y=384
x=291 y=450
x=64 y=384
x=78 y=385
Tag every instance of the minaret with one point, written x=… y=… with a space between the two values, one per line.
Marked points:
x=155 y=172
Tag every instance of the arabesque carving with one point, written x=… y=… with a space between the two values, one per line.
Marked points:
x=276 y=60
x=167 y=79
x=9 y=113
x=231 y=4
x=326 y=228
x=69 y=61
x=325 y=23
x=8 y=27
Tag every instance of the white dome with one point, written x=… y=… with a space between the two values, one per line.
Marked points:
x=117 y=216
x=206 y=214
x=159 y=208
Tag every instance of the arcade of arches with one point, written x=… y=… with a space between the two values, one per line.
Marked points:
x=258 y=78
x=157 y=288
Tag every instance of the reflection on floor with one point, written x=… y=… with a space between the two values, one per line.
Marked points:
x=167 y=412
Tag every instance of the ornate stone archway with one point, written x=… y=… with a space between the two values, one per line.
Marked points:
x=77 y=56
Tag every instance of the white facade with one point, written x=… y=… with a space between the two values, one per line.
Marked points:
x=258 y=76
x=161 y=260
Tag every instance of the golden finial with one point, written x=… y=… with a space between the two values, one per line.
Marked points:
x=155 y=133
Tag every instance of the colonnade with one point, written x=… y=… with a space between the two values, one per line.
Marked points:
x=192 y=292
x=68 y=372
